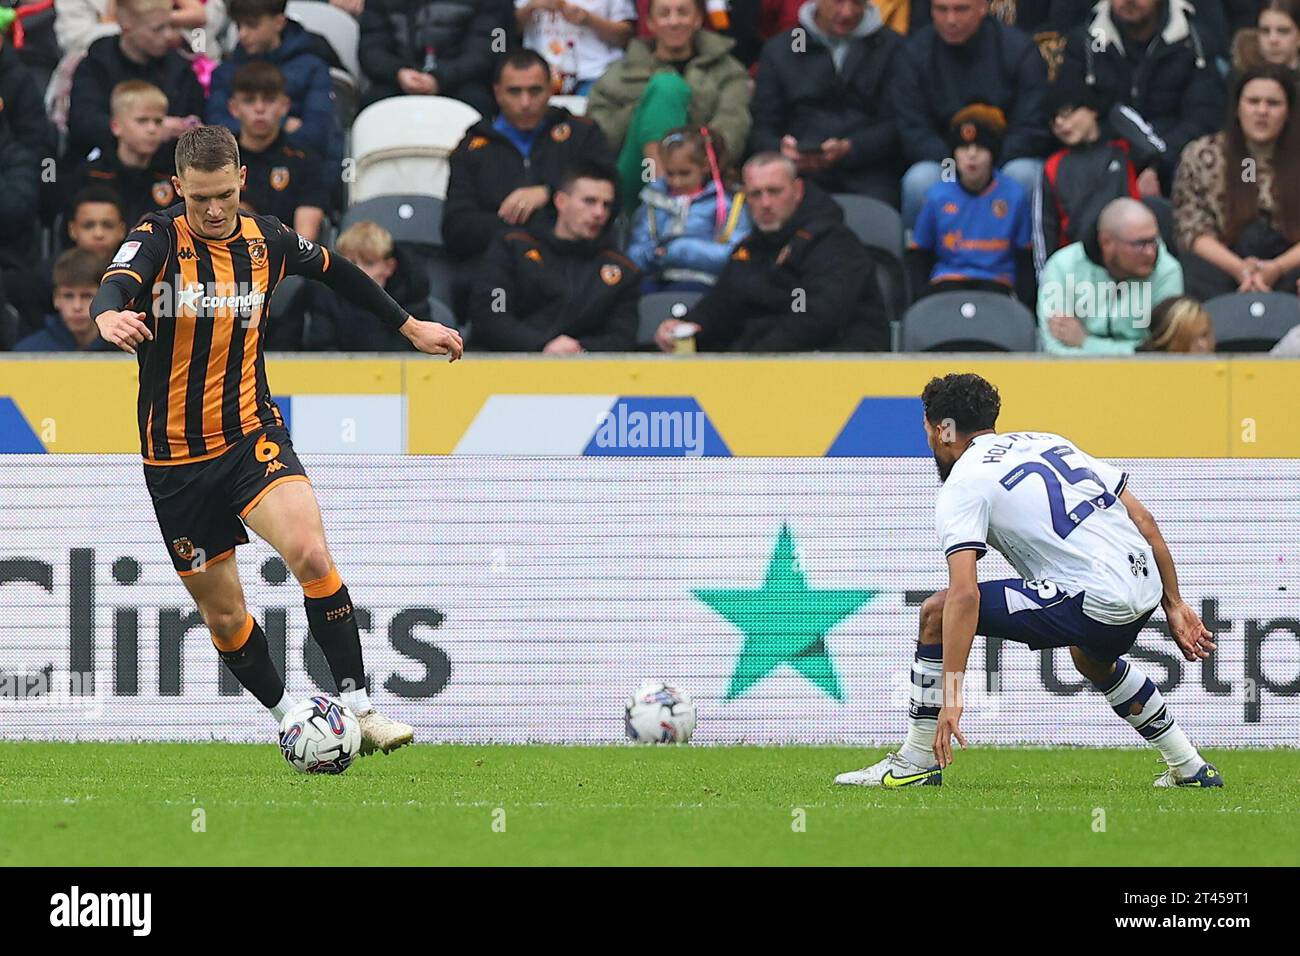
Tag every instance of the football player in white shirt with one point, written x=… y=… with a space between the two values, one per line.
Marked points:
x=1094 y=568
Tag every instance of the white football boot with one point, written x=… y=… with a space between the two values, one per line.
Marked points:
x=380 y=733
x=891 y=773
x=1207 y=776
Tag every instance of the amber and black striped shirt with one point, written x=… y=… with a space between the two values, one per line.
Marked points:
x=203 y=377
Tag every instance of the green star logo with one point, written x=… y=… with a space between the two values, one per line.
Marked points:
x=784 y=622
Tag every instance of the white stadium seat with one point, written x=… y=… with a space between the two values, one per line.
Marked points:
x=577 y=105
x=337 y=26
x=402 y=144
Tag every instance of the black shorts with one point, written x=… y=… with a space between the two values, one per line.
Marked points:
x=201 y=506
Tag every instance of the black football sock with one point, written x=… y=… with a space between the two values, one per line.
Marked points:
x=250 y=662
x=334 y=627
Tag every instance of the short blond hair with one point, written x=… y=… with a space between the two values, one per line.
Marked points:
x=135 y=9
x=365 y=242
x=136 y=94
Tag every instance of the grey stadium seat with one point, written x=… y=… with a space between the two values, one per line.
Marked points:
x=412 y=219
x=415 y=221
x=290 y=294
x=879 y=227
x=656 y=307
x=1252 y=321
x=969 y=322
x=440 y=312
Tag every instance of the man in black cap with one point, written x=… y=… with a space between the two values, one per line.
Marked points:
x=1106 y=148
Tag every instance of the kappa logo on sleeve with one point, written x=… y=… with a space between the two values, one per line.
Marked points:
x=127 y=251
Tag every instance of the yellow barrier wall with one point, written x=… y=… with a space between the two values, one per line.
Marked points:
x=769 y=406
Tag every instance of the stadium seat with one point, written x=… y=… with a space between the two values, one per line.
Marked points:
x=10 y=327
x=656 y=307
x=879 y=227
x=442 y=272
x=347 y=96
x=416 y=223
x=969 y=322
x=1164 y=211
x=288 y=293
x=288 y=315
x=402 y=144
x=337 y=26
x=622 y=230
x=441 y=312
x=410 y=219
x=577 y=105
x=1252 y=321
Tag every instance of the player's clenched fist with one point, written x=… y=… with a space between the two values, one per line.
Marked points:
x=126 y=330
x=434 y=338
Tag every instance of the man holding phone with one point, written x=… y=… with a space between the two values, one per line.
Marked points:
x=822 y=99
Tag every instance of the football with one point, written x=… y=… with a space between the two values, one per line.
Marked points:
x=659 y=713
x=320 y=735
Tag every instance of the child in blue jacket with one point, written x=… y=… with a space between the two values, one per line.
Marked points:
x=689 y=222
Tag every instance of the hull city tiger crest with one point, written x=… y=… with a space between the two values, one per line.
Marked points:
x=610 y=274
x=1000 y=208
x=561 y=132
x=280 y=178
x=163 y=193
x=257 y=252
x=184 y=548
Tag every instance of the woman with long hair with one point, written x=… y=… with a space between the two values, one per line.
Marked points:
x=1275 y=39
x=1237 y=196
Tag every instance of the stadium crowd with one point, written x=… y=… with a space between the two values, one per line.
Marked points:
x=758 y=175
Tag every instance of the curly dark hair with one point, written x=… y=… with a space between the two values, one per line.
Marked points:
x=969 y=401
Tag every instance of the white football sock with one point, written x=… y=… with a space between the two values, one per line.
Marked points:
x=927 y=698
x=357 y=701
x=282 y=708
x=1135 y=697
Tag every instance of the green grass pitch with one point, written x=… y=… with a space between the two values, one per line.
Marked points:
x=127 y=804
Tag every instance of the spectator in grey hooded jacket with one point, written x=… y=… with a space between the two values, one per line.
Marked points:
x=823 y=99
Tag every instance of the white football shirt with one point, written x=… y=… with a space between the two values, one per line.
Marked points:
x=572 y=49
x=1054 y=513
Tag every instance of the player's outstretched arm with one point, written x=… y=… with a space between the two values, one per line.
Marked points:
x=961 y=613
x=433 y=338
x=1189 y=633
x=125 y=329
x=142 y=254
x=117 y=324
x=306 y=258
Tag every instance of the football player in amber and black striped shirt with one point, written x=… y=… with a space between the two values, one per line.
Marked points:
x=187 y=294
